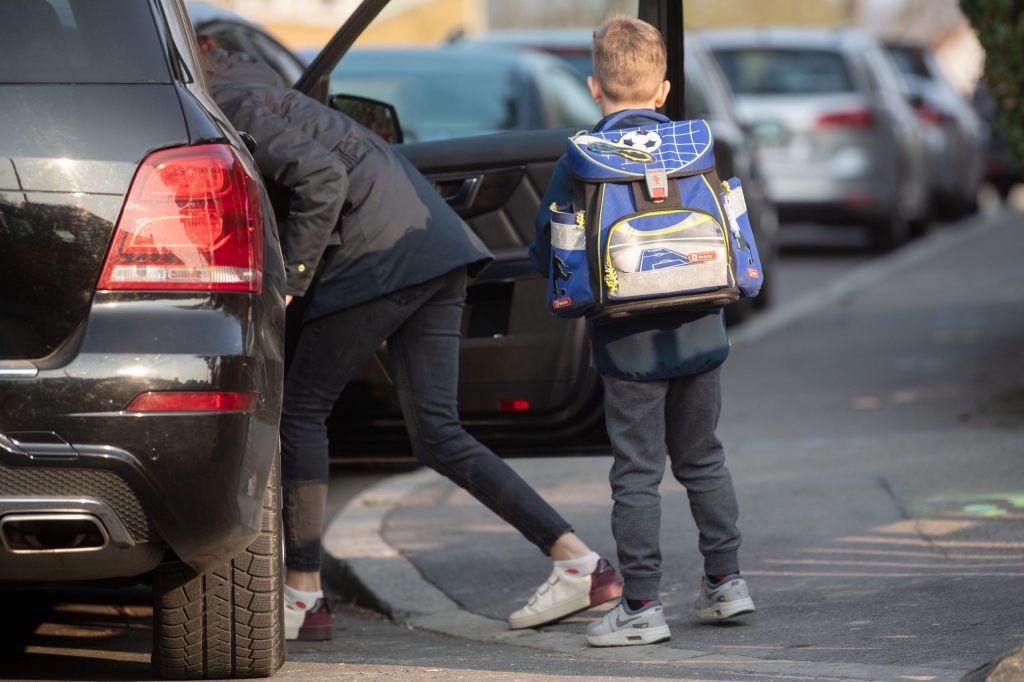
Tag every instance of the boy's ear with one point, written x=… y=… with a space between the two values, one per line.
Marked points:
x=662 y=95
x=595 y=88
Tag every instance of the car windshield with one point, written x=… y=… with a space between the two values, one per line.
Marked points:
x=756 y=71
x=909 y=61
x=437 y=94
x=80 y=41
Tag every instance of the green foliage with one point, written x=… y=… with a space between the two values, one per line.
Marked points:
x=1000 y=28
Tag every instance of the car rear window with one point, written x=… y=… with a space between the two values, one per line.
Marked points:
x=784 y=71
x=80 y=41
x=909 y=61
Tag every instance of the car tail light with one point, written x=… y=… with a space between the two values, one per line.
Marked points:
x=856 y=118
x=516 y=405
x=929 y=114
x=192 y=222
x=193 y=401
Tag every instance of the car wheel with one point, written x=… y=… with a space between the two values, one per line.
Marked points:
x=740 y=311
x=889 y=232
x=765 y=296
x=227 y=623
x=1004 y=189
x=919 y=225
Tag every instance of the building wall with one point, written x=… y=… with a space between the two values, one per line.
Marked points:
x=311 y=23
x=700 y=14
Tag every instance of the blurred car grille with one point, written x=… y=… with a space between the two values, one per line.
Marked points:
x=105 y=486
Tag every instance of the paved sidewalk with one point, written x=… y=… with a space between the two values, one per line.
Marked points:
x=874 y=431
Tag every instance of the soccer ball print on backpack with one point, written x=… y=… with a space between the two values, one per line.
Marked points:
x=651 y=227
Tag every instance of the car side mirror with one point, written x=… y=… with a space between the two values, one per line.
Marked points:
x=380 y=117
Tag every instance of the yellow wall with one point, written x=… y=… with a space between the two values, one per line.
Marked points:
x=424 y=24
x=725 y=13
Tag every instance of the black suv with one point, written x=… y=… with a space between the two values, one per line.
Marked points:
x=141 y=331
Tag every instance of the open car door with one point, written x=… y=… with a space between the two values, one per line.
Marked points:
x=526 y=381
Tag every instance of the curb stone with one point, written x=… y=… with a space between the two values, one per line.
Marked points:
x=361 y=564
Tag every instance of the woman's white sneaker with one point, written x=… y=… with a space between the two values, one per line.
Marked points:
x=565 y=593
x=621 y=627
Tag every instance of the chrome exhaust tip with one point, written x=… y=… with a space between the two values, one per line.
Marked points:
x=52 y=533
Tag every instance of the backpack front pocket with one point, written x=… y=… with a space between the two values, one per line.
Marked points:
x=664 y=253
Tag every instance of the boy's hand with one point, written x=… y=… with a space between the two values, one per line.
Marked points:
x=287 y=300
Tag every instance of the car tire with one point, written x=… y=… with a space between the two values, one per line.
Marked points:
x=227 y=623
x=765 y=296
x=889 y=232
x=1004 y=189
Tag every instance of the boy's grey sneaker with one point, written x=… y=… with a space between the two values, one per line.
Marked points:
x=621 y=627
x=728 y=599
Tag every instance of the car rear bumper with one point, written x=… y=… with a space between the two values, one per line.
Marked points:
x=189 y=482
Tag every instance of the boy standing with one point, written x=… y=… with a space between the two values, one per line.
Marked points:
x=661 y=389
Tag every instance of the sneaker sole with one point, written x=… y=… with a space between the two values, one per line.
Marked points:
x=631 y=637
x=320 y=633
x=726 y=611
x=581 y=603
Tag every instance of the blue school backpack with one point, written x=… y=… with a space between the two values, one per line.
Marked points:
x=651 y=227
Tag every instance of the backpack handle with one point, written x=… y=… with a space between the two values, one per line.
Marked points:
x=628 y=113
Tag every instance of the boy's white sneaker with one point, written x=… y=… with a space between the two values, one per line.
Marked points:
x=622 y=627
x=565 y=593
x=727 y=599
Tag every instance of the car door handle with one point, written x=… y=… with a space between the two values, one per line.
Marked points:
x=464 y=193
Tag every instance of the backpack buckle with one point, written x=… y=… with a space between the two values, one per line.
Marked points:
x=657 y=184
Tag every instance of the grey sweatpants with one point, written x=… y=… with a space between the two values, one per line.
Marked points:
x=644 y=419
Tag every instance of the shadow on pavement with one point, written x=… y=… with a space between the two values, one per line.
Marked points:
x=76 y=634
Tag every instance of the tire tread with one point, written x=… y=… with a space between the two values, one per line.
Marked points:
x=226 y=623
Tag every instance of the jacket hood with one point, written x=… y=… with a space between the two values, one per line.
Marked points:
x=236 y=67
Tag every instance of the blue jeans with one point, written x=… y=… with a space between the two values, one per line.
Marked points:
x=421 y=324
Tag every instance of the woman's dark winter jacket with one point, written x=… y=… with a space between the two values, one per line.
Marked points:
x=365 y=211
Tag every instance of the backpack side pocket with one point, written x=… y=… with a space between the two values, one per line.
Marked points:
x=569 y=292
x=749 y=275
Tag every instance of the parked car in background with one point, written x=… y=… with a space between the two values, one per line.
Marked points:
x=574 y=45
x=1001 y=169
x=958 y=161
x=838 y=141
x=141 y=332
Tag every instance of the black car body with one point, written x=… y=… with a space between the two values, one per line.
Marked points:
x=141 y=323
x=526 y=382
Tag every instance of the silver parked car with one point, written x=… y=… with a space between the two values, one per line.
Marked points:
x=958 y=163
x=839 y=142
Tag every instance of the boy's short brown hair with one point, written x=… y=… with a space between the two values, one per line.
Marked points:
x=629 y=59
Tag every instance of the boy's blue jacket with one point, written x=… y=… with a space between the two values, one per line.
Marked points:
x=653 y=347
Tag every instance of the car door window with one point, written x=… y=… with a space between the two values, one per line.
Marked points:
x=438 y=93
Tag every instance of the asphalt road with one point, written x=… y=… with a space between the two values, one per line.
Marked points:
x=816 y=477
